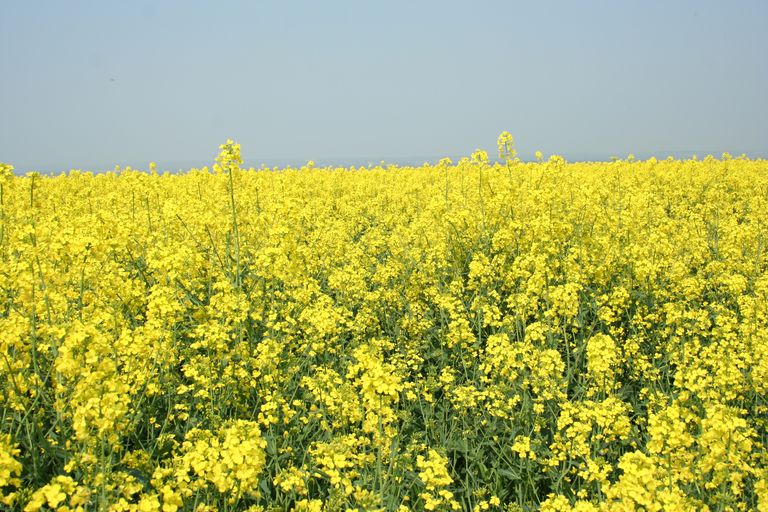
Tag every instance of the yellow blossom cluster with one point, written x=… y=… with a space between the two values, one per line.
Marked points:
x=10 y=470
x=433 y=472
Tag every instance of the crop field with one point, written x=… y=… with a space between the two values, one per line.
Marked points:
x=472 y=335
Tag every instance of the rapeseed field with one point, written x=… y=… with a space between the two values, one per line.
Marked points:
x=478 y=335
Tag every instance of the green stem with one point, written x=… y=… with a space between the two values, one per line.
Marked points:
x=235 y=231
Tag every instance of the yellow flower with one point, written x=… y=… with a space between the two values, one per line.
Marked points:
x=10 y=469
x=505 y=144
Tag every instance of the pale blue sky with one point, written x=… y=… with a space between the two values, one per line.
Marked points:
x=93 y=84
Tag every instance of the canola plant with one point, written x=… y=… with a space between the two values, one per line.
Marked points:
x=462 y=336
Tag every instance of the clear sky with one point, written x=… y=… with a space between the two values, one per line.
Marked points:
x=87 y=84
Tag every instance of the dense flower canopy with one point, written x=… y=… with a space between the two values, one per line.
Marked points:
x=469 y=336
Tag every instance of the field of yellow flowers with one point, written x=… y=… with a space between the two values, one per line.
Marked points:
x=462 y=336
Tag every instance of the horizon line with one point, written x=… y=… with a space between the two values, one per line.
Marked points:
x=347 y=161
